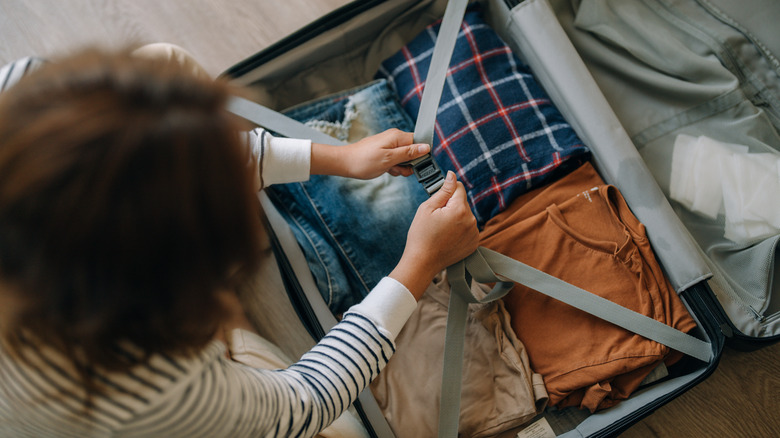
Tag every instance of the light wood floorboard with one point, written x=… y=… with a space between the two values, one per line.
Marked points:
x=742 y=397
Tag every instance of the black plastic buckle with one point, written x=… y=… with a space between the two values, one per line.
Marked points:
x=428 y=173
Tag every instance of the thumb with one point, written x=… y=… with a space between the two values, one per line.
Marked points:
x=409 y=153
x=440 y=198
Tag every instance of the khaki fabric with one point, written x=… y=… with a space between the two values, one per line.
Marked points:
x=499 y=390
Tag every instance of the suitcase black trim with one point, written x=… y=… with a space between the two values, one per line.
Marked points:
x=734 y=337
x=312 y=30
x=294 y=290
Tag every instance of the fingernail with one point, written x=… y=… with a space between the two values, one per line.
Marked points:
x=423 y=148
x=450 y=176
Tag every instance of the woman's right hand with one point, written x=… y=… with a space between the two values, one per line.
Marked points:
x=443 y=232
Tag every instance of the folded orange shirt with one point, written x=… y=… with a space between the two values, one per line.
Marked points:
x=580 y=230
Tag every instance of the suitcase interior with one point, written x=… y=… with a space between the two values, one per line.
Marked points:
x=344 y=49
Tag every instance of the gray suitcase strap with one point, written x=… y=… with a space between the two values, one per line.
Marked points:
x=460 y=295
x=487 y=266
x=483 y=266
x=277 y=122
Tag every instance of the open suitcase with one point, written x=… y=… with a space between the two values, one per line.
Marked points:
x=343 y=49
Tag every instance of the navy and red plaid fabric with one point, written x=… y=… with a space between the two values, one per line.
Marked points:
x=495 y=126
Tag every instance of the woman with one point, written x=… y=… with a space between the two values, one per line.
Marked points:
x=127 y=214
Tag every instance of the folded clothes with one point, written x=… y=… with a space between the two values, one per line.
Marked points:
x=495 y=126
x=499 y=391
x=580 y=230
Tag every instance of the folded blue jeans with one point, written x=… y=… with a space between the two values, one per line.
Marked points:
x=352 y=232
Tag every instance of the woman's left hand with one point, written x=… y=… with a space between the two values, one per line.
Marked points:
x=370 y=157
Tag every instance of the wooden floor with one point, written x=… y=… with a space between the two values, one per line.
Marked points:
x=742 y=397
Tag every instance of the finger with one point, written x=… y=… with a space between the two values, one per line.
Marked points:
x=400 y=170
x=408 y=153
x=443 y=195
x=418 y=150
x=459 y=195
x=396 y=138
x=404 y=138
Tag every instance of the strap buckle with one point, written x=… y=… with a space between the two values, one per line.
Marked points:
x=428 y=173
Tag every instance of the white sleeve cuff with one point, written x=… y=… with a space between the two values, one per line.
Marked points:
x=284 y=160
x=389 y=305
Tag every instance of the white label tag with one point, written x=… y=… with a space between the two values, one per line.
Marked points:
x=538 y=429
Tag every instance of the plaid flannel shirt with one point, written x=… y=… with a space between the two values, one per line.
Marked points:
x=496 y=128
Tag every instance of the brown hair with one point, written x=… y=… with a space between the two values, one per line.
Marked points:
x=126 y=203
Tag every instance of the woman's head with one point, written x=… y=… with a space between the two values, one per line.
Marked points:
x=126 y=202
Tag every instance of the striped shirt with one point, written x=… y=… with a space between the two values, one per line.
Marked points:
x=208 y=395
x=11 y=73
x=204 y=396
